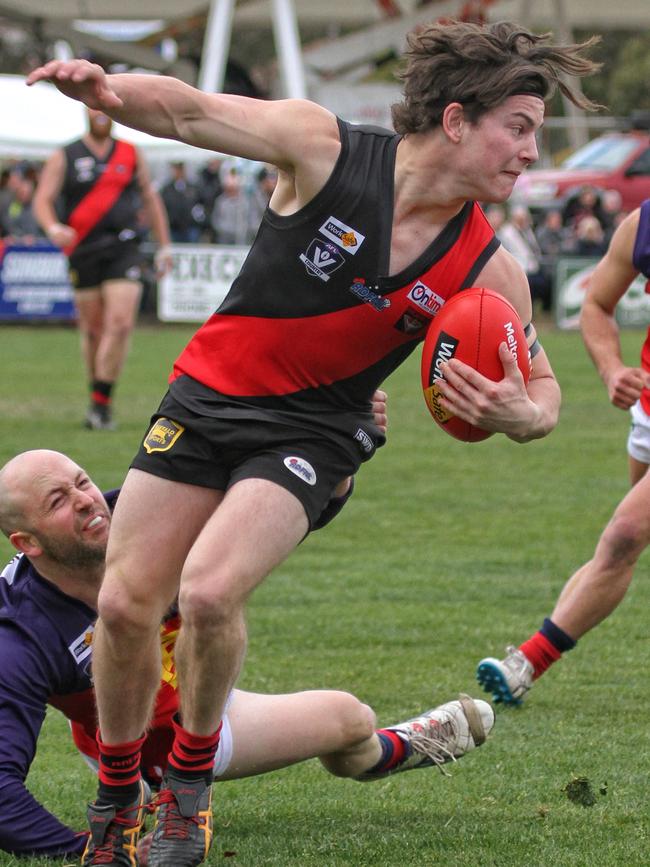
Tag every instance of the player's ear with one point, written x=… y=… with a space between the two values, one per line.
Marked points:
x=26 y=543
x=453 y=121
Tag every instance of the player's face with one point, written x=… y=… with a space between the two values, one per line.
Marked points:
x=501 y=146
x=68 y=514
x=99 y=124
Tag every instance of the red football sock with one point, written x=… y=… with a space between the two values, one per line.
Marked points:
x=193 y=755
x=394 y=750
x=539 y=651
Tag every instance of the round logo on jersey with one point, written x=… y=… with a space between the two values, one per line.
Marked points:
x=301 y=468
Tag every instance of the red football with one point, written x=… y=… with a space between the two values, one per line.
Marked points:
x=470 y=327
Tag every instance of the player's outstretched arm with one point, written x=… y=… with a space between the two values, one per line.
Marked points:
x=607 y=285
x=298 y=136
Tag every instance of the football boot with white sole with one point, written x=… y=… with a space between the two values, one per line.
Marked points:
x=441 y=735
x=508 y=679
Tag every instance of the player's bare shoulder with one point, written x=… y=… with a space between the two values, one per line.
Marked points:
x=309 y=145
x=504 y=275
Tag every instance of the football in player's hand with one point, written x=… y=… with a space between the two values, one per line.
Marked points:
x=471 y=326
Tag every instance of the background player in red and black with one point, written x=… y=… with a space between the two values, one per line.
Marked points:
x=87 y=202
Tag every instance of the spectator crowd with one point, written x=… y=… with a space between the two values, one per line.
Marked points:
x=582 y=227
x=222 y=202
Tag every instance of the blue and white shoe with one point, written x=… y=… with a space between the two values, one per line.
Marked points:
x=507 y=679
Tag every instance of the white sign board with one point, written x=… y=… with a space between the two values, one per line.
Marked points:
x=198 y=282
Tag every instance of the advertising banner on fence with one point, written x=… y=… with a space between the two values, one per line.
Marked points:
x=34 y=283
x=571 y=278
x=198 y=282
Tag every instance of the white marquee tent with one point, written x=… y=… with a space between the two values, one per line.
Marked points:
x=38 y=119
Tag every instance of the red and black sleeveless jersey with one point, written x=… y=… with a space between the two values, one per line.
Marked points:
x=312 y=321
x=100 y=197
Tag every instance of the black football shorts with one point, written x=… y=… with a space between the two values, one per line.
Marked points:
x=120 y=261
x=216 y=452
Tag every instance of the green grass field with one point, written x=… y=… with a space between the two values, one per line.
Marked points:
x=446 y=553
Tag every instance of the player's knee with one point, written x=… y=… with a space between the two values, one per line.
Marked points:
x=91 y=332
x=623 y=540
x=355 y=719
x=206 y=606
x=127 y=611
x=119 y=329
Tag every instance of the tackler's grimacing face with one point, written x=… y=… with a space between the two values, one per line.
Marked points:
x=67 y=513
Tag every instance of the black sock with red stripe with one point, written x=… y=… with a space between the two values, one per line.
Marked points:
x=192 y=756
x=119 y=772
x=101 y=392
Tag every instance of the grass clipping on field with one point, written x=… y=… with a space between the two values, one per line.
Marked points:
x=580 y=791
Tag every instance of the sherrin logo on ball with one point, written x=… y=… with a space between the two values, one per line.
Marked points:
x=470 y=327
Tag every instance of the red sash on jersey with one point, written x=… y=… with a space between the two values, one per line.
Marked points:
x=100 y=199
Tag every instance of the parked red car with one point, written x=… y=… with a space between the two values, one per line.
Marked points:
x=616 y=160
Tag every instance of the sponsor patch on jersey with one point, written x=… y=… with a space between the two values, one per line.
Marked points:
x=301 y=468
x=84 y=167
x=425 y=298
x=364 y=440
x=163 y=434
x=321 y=259
x=81 y=647
x=366 y=294
x=411 y=321
x=345 y=236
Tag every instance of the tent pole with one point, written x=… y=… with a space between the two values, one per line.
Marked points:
x=288 y=50
x=216 y=43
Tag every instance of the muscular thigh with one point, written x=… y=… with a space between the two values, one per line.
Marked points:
x=90 y=307
x=255 y=528
x=155 y=524
x=121 y=300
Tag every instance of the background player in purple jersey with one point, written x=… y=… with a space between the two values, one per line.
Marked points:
x=268 y=407
x=100 y=184
x=59 y=520
x=597 y=587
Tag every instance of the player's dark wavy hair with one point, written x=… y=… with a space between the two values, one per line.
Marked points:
x=480 y=66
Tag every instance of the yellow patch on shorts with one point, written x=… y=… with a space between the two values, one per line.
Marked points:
x=162 y=435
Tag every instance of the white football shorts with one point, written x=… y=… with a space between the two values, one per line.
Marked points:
x=638 y=441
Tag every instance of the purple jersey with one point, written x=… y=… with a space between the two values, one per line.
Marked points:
x=641 y=261
x=641 y=254
x=45 y=647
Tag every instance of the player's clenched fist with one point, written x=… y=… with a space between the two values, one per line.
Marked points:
x=78 y=79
